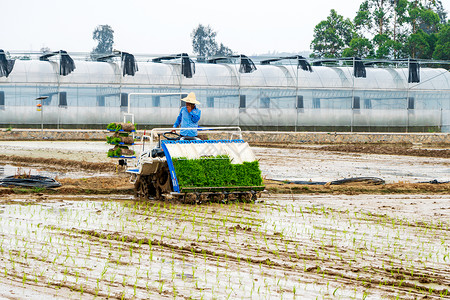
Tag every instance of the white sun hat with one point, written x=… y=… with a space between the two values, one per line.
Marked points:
x=190 y=98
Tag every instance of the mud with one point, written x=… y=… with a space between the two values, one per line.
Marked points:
x=296 y=242
x=287 y=246
x=427 y=150
x=315 y=164
x=81 y=160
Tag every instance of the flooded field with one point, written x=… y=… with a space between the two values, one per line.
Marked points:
x=11 y=170
x=306 y=163
x=316 y=165
x=283 y=247
x=91 y=239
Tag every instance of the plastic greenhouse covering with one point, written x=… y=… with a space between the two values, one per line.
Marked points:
x=272 y=97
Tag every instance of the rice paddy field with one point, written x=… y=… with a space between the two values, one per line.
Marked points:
x=312 y=245
x=284 y=246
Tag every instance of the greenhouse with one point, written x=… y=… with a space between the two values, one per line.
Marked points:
x=290 y=93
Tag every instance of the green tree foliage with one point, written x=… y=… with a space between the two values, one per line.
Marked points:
x=204 y=42
x=424 y=26
x=359 y=47
x=442 y=49
x=439 y=9
x=422 y=18
x=104 y=35
x=374 y=16
x=381 y=22
x=332 y=36
x=421 y=44
x=388 y=29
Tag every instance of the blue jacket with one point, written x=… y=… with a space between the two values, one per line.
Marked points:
x=188 y=120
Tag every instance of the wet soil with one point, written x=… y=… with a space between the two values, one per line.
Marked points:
x=91 y=239
x=426 y=150
x=285 y=246
x=403 y=173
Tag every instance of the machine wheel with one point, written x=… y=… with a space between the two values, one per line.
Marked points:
x=190 y=198
x=144 y=187
x=247 y=197
x=141 y=187
x=162 y=183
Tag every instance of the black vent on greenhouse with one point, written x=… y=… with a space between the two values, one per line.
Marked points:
x=6 y=65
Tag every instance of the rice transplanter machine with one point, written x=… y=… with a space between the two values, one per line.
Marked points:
x=193 y=171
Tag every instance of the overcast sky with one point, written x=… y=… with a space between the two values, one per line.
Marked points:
x=164 y=27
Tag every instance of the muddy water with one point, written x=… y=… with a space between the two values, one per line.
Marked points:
x=52 y=172
x=10 y=170
x=276 y=163
x=287 y=246
x=319 y=165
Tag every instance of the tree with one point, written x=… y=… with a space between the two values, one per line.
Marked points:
x=442 y=49
x=424 y=24
x=422 y=18
x=204 y=42
x=389 y=29
x=421 y=45
x=400 y=18
x=332 y=35
x=387 y=48
x=359 y=47
x=104 y=35
x=224 y=51
x=374 y=16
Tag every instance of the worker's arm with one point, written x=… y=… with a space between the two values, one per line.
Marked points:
x=195 y=115
x=178 y=121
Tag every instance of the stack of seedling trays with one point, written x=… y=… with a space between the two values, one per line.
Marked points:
x=122 y=139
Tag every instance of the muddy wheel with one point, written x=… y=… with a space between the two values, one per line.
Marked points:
x=190 y=198
x=231 y=197
x=203 y=197
x=218 y=197
x=162 y=183
x=141 y=187
x=247 y=197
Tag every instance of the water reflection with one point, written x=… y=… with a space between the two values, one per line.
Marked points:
x=10 y=170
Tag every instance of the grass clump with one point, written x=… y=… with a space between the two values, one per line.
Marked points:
x=217 y=171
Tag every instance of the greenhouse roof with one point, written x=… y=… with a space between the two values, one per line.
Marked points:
x=275 y=72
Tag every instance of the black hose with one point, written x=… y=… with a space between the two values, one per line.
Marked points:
x=370 y=180
x=435 y=181
x=30 y=181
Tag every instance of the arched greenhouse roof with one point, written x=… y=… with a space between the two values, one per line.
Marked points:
x=226 y=75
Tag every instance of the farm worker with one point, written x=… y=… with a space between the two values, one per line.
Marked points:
x=188 y=118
